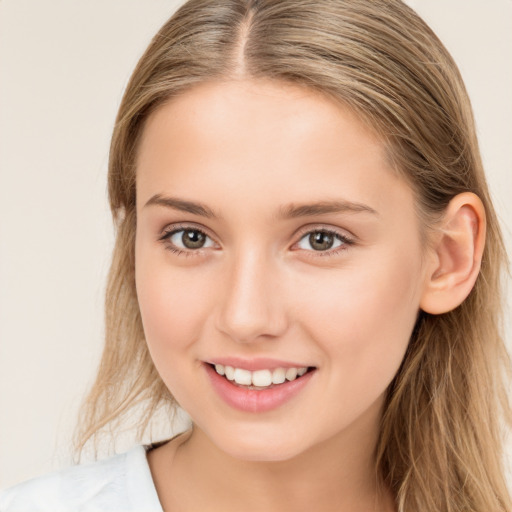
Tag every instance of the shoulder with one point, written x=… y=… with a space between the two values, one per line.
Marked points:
x=120 y=483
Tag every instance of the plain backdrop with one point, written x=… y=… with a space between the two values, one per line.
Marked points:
x=63 y=67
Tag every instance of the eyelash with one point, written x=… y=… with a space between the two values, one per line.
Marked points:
x=346 y=241
x=172 y=230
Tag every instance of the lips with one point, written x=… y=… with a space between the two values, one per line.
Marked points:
x=251 y=391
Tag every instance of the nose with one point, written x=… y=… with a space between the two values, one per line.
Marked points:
x=252 y=306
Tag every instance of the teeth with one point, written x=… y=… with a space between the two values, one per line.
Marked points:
x=229 y=371
x=260 y=378
x=278 y=376
x=291 y=374
x=243 y=377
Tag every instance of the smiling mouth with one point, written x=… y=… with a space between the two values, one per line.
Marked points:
x=260 y=379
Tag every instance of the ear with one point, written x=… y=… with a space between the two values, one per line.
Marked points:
x=454 y=263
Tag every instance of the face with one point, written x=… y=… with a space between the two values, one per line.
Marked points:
x=273 y=239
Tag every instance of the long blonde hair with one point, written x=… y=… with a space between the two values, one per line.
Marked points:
x=440 y=445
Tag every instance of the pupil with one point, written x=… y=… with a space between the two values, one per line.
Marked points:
x=193 y=239
x=321 y=241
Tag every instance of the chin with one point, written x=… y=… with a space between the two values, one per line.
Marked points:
x=258 y=447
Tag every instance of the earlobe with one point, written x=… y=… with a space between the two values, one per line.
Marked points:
x=456 y=256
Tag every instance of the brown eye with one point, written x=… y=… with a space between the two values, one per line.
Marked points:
x=189 y=239
x=193 y=239
x=323 y=241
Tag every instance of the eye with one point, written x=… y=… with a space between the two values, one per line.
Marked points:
x=322 y=240
x=186 y=239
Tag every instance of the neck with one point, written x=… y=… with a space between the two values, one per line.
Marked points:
x=313 y=480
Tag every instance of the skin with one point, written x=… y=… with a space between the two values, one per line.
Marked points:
x=247 y=150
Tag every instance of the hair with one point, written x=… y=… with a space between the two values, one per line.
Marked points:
x=441 y=437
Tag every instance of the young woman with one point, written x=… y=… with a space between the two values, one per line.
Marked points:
x=307 y=262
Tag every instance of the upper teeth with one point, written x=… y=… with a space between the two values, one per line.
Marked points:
x=260 y=378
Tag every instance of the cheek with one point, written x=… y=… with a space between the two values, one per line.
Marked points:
x=364 y=320
x=171 y=304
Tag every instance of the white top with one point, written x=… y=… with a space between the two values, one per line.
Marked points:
x=122 y=483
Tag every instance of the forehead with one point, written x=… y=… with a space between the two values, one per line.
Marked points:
x=261 y=109
x=261 y=139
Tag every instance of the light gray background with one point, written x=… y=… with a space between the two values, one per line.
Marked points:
x=63 y=66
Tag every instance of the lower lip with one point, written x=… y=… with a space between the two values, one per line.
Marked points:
x=253 y=400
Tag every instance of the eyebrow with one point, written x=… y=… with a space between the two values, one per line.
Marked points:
x=293 y=211
x=181 y=205
x=290 y=211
